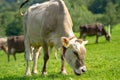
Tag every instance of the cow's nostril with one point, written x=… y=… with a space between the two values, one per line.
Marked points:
x=83 y=70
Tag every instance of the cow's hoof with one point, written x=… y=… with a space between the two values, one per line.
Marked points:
x=44 y=73
x=63 y=72
x=27 y=74
x=35 y=72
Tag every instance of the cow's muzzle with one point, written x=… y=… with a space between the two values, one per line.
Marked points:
x=80 y=70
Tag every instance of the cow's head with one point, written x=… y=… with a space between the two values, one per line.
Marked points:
x=74 y=54
x=108 y=36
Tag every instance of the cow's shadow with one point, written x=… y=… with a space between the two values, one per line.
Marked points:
x=93 y=43
x=49 y=76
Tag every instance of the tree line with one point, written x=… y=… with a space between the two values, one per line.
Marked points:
x=81 y=11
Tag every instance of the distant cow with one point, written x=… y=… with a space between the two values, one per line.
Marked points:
x=12 y=45
x=15 y=45
x=49 y=24
x=92 y=30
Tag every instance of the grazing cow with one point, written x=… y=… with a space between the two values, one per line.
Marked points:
x=12 y=45
x=15 y=45
x=49 y=24
x=94 y=29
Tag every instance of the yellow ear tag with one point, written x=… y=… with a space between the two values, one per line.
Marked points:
x=65 y=44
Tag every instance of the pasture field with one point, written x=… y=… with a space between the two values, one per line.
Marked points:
x=102 y=61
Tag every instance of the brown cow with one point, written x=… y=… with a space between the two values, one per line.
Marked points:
x=15 y=45
x=12 y=45
x=94 y=29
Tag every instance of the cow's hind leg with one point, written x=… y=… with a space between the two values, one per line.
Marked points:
x=56 y=52
x=27 y=57
x=96 y=39
x=36 y=52
x=83 y=36
x=46 y=57
x=50 y=51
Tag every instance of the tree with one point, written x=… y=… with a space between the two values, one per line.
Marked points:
x=15 y=27
x=110 y=14
x=81 y=11
x=79 y=14
x=98 y=6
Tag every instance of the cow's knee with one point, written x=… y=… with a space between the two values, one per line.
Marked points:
x=46 y=57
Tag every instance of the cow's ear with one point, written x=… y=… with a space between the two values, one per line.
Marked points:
x=85 y=42
x=65 y=42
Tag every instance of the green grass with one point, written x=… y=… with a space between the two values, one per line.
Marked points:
x=102 y=61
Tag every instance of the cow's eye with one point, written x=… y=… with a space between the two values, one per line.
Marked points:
x=76 y=53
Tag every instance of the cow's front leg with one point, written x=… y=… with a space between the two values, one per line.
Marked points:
x=27 y=57
x=36 y=52
x=14 y=56
x=46 y=57
x=27 y=73
x=63 y=70
x=96 y=39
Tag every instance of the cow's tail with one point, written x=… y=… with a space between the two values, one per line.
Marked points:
x=21 y=13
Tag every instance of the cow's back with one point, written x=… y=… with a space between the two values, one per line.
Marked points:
x=47 y=21
x=91 y=29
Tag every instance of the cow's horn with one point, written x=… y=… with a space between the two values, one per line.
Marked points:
x=21 y=13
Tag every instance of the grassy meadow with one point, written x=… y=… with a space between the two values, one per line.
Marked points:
x=102 y=61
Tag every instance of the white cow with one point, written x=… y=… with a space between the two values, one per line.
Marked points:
x=49 y=24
